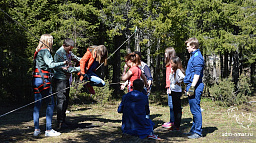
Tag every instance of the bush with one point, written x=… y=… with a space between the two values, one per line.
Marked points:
x=102 y=94
x=244 y=88
x=78 y=97
x=225 y=94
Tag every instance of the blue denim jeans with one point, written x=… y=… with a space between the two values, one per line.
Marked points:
x=95 y=80
x=194 y=103
x=170 y=104
x=49 y=100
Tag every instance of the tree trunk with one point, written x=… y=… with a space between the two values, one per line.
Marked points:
x=128 y=47
x=1 y=70
x=214 y=68
x=241 y=61
x=230 y=62
x=226 y=73
x=137 y=46
x=157 y=67
x=235 y=70
x=148 y=53
x=253 y=76
x=221 y=66
x=116 y=66
x=103 y=69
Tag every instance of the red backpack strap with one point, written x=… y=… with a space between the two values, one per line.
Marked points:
x=35 y=54
x=40 y=73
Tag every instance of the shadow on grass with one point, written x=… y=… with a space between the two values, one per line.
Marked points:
x=18 y=127
x=83 y=124
x=19 y=116
x=99 y=132
x=114 y=136
x=77 y=123
x=83 y=109
x=186 y=126
x=89 y=128
x=208 y=130
x=162 y=99
x=100 y=135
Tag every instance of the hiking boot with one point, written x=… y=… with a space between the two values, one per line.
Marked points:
x=168 y=125
x=36 y=133
x=52 y=133
x=194 y=136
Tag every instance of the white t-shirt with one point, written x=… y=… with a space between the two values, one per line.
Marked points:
x=176 y=77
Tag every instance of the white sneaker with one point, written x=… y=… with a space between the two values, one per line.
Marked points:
x=36 y=133
x=52 y=133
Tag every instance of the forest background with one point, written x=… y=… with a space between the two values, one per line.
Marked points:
x=226 y=30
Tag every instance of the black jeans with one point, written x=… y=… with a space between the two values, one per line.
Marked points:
x=60 y=86
x=176 y=101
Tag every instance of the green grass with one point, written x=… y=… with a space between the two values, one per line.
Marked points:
x=97 y=123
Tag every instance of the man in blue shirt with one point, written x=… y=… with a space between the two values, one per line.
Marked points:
x=195 y=86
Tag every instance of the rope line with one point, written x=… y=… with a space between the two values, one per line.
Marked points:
x=115 y=83
x=61 y=57
x=30 y=103
x=116 y=49
x=67 y=87
x=24 y=27
x=36 y=101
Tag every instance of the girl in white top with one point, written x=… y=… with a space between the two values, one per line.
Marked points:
x=176 y=78
x=177 y=75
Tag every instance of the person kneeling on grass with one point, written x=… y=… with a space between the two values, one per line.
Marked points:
x=135 y=107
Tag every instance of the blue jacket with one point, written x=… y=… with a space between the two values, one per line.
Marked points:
x=135 y=107
x=195 y=66
x=145 y=70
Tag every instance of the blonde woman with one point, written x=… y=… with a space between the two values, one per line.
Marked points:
x=43 y=63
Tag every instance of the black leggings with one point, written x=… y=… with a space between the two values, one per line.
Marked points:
x=176 y=101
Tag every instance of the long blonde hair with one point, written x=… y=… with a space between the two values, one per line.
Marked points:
x=100 y=53
x=46 y=40
x=170 y=53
